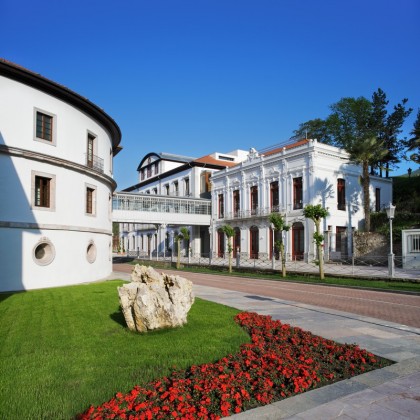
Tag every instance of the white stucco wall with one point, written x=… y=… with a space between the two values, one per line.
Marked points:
x=65 y=225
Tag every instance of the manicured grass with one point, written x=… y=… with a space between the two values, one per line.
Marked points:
x=63 y=349
x=403 y=286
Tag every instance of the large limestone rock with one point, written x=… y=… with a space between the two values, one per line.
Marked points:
x=154 y=300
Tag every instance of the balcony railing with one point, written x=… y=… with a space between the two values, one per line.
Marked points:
x=94 y=162
x=251 y=213
x=160 y=204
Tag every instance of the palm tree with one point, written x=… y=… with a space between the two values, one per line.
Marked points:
x=316 y=214
x=279 y=225
x=366 y=152
x=184 y=234
x=229 y=232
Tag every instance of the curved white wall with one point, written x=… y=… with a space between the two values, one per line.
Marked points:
x=65 y=224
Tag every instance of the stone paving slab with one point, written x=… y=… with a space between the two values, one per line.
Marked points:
x=389 y=393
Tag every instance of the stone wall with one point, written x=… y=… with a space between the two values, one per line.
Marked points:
x=366 y=244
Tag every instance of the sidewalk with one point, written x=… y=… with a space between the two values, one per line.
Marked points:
x=389 y=393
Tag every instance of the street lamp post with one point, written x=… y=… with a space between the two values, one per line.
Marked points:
x=390 y=212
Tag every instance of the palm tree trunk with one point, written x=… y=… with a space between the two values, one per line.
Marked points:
x=366 y=195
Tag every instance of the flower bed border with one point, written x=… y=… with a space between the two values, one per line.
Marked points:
x=281 y=361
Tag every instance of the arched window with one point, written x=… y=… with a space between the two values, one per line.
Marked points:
x=341 y=194
x=236 y=241
x=298 y=241
x=254 y=242
x=220 y=243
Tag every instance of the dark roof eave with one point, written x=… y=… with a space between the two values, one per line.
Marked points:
x=22 y=75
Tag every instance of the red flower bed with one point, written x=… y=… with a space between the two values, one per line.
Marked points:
x=281 y=361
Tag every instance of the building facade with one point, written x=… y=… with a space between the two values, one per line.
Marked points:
x=163 y=175
x=284 y=180
x=56 y=155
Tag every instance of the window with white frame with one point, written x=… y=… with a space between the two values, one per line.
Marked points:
x=413 y=243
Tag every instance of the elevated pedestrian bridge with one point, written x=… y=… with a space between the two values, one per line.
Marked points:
x=160 y=209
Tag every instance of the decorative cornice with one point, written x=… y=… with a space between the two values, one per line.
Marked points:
x=53 y=160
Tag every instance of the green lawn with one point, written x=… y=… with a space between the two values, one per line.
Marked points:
x=63 y=349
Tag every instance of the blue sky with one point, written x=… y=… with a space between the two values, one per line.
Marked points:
x=197 y=76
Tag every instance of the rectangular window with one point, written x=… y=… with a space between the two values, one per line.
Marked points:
x=274 y=196
x=221 y=207
x=44 y=126
x=149 y=171
x=176 y=188
x=413 y=243
x=236 y=203
x=297 y=193
x=156 y=168
x=187 y=186
x=254 y=199
x=341 y=194
x=205 y=182
x=42 y=191
x=167 y=189
x=155 y=191
x=90 y=150
x=90 y=200
x=142 y=174
x=377 y=199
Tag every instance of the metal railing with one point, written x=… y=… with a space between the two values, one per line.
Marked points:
x=94 y=162
x=374 y=267
x=160 y=204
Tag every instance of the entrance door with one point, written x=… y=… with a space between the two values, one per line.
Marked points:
x=254 y=248
x=220 y=243
x=236 y=242
x=298 y=241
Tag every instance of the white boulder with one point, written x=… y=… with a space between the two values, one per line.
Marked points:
x=154 y=300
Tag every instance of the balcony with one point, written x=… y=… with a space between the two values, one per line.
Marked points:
x=94 y=162
x=251 y=213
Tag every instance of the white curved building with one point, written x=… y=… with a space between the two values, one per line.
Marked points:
x=56 y=184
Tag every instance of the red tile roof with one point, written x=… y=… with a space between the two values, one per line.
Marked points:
x=212 y=161
x=289 y=146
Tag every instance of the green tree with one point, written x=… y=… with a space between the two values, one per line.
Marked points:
x=184 y=234
x=352 y=129
x=314 y=129
x=316 y=213
x=387 y=127
x=279 y=225
x=229 y=232
x=413 y=144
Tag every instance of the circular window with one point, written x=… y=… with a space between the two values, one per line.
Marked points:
x=91 y=252
x=44 y=252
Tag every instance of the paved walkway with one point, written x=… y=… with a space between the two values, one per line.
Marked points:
x=389 y=393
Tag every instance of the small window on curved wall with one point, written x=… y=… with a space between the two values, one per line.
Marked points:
x=91 y=252
x=43 y=252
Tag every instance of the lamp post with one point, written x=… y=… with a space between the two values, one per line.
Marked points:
x=272 y=248
x=390 y=212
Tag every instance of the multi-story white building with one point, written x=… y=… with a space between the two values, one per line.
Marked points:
x=162 y=175
x=284 y=180
x=56 y=154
